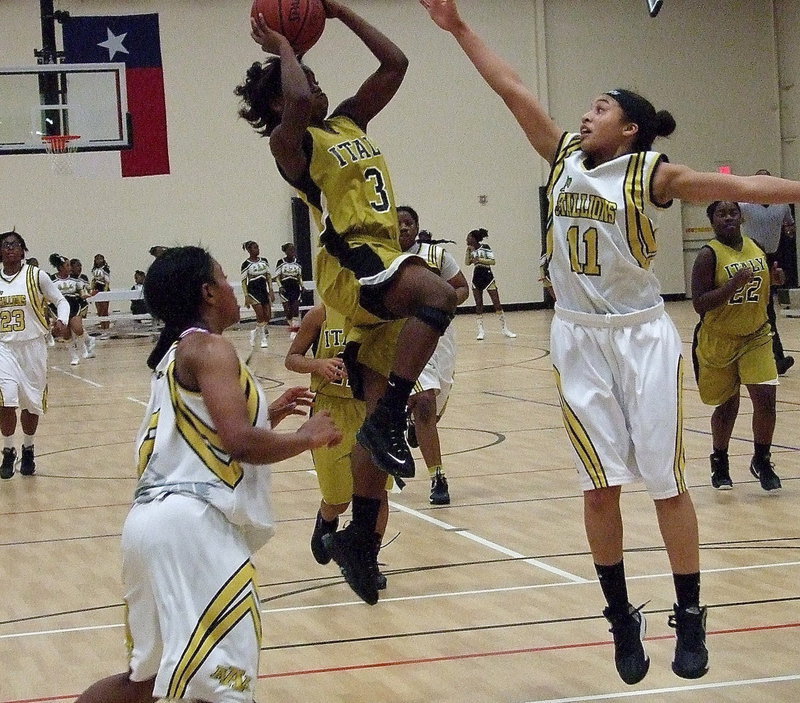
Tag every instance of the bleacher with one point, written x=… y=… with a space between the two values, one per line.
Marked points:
x=124 y=323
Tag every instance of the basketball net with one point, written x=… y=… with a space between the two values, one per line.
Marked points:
x=59 y=147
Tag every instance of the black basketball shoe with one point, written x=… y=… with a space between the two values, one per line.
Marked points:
x=629 y=655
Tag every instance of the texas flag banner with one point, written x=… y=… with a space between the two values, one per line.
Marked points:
x=134 y=40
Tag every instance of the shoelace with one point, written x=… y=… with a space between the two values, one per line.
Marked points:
x=693 y=634
x=632 y=612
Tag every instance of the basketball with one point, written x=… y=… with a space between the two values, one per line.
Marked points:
x=300 y=21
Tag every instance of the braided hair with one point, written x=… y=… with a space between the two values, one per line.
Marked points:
x=173 y=292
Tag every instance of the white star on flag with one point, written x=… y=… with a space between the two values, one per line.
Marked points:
x=114 y=44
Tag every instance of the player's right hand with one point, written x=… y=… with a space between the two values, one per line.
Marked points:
x=268 y=39
x=321 y=431
x=742 y=276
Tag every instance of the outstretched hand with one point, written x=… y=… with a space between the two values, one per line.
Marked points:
x=321 y=431
x=268 y=39
x=291 y=402
x=443 y=12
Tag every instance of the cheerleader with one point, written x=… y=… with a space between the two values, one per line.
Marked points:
x=100 y=283
x=290 y=278
x=258 y=293
x=75 y=288
x=481 y=256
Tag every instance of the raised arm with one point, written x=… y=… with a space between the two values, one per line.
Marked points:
x=678 y=181
x=503 y=79
x=376 y=92
x=286 y=139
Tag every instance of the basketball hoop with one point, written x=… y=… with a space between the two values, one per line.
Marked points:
x=59 y=146
x=60 y=143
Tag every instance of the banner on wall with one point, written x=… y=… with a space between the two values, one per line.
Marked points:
x=136 y=41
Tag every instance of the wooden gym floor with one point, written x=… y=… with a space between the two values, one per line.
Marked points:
x=492 y=599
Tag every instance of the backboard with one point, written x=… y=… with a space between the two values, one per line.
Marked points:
x=88 y=100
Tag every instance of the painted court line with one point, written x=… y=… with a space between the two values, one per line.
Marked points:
x=80 y=378
x=491 y=545
x=672 y=689
x=400 y=599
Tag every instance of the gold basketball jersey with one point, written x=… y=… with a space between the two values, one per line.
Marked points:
x=330 y=344
x=746 y=311
x=348 y=183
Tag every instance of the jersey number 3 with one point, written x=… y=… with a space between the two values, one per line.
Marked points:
x=583 y=251
x=379 y=184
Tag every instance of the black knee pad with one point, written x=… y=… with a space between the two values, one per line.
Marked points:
x=435 y=318
x=354 y=375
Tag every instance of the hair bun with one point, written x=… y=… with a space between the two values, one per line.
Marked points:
x=664 y=123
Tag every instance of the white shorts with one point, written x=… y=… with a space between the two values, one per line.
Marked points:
x=621 y=388
x=23 y=375
x=193 y=614
x=439 y=371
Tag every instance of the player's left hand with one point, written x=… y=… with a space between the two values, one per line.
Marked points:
x=777 y=275
x=443 y=12
x=291 y=402
x=60 y=330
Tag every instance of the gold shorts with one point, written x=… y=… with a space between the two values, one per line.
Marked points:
x=354 y=287
x=332 y=464
x=722 y=364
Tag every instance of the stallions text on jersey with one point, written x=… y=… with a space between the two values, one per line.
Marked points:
x=601 y=236
x=329 y=344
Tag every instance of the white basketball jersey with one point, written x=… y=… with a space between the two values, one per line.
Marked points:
x=437 y=258
x=601 y=236
x=178 y=450
x=445 y=265
x=22 y=306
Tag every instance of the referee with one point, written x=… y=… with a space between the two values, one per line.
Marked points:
x=765 y=224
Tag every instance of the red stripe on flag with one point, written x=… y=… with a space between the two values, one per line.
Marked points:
x=147 y=105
